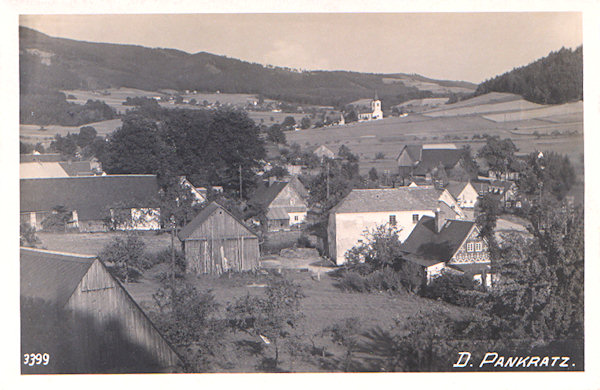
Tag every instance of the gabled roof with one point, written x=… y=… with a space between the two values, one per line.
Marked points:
x=77 y=168
x=413 y=151
x=46 y=157
x=52 y=276
x=29 y=170
x=203 y=216
x=91 y=196
x=427 y=244
x=431 y=158
x=456 y=187
x=389 y=199
x=265 y=194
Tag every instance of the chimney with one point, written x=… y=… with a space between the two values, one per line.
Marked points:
x=439 y=222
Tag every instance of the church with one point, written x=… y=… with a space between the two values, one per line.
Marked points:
x=375 y=112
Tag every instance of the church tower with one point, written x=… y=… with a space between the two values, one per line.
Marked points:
x=376 y=108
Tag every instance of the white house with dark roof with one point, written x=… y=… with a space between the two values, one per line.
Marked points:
x=439 y=245
x=127 y=202
x=464 y=192
x=365 y=209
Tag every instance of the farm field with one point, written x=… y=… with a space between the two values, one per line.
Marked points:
x=569 y=109
x=33 y=134
x=484 y=108
x=389 y=135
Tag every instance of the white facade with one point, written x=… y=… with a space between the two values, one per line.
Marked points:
x=375 y=113
x=297 y=217
x=350 y=228
x=467 y=197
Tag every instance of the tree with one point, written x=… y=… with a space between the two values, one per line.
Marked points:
x=498 y=153
x=275 y=134
x=135 y=148
x=288 y=122
x=547 y=172
x=373 y=176
x=189 y=319
x=270 y=318
x=87 y=135
x=126 y=256
x=177 y=201
x=350 y=116
x=25 y=148
x=64 y=145
x=488 y=208
x=277 y=171
x=305 y=122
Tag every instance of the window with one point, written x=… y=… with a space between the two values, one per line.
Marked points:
x=478 y=247
x=470 y=246
x=295 y=217
x=415 y=218
x=393 y=220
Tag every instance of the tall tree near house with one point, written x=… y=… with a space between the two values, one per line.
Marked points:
x=136 y=148
x=488 y=208
x=127 y=257
x=87 y=134
x=499 y=153
x=275 y=134
x=547 y=173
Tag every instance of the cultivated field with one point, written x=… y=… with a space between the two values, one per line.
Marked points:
x=563 y=111
x=34 y=133
x=515 y=105
x=389 y=135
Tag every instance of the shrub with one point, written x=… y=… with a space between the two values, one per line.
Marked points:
x=451 y=288
x=127 y=256
x=303 y=242
x=379 y=156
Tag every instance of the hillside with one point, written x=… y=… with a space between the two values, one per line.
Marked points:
x=554 y=79
x=51 y=64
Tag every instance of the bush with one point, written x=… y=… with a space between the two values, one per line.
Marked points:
x=452 y=288
x=379 y=280
x=303 y=242
x=127 y=256
x=379 y=156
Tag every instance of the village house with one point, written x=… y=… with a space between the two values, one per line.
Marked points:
x=284 y=203
x=505 y=191
x=323 y=152
x=215 y=241
x=438 y=245
x=94 y=203
x=426 y=163
x=366 y=209
x=466 y=196
x=198 y=194
x=108 y=331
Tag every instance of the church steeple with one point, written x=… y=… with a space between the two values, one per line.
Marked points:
x=376 y=97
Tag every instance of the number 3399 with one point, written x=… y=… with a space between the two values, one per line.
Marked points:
x=34 y=359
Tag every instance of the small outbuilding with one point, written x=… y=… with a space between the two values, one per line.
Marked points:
x=215 y=241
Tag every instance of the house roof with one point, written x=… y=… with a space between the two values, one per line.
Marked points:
x=427 y=244
x=265 y=194
x=77 y=168
x=431 y=158
x=389 y=199
x=456 y=187
x=278 y=213
x=46 y=157
x=323 y=150
x=202 y=216
x=52 y=276
x=91 y=196
x=28 y=170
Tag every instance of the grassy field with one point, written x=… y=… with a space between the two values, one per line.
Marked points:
x=324 y=305
x=34 y=133
x=92 y=243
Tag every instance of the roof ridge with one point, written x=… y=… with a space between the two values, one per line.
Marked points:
x=69 y=254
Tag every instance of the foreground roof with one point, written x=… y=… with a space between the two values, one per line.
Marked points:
x=427 y=244
x=91 y=196
x=389 y=199
x=52 y=276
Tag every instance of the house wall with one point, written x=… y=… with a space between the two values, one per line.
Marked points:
x=141 y=219
x=100 y=297
x=301 y=217
x=464 y=257
x=288 y=197
x=468 y=197
x=350 y=227
x=435 y=270
x=221 y=243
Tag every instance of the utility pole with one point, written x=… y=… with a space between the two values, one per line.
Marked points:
x=327 y=181
x=240 y=167
x=173 y=227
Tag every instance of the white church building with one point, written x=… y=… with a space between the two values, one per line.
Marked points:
x=375 y=112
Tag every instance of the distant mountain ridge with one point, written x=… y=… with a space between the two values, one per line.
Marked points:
x=48 y=63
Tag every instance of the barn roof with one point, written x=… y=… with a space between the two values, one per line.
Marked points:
x=52 y=276
x=91 y=196
x=202 y=216
x=389 y=199
x=427 y=244
x=431 y=158
x=28 y=170
x=46 y=157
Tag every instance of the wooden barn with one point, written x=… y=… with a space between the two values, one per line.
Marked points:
x=215 y=241
x=73 y=309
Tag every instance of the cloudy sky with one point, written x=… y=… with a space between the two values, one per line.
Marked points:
x=457 y=46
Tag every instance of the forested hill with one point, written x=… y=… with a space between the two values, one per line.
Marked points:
x=554 y=79
x=56 y=63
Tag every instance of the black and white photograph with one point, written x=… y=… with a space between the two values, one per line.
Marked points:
x=303 y=192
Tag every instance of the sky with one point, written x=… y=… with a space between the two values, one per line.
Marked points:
x=455 y=46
